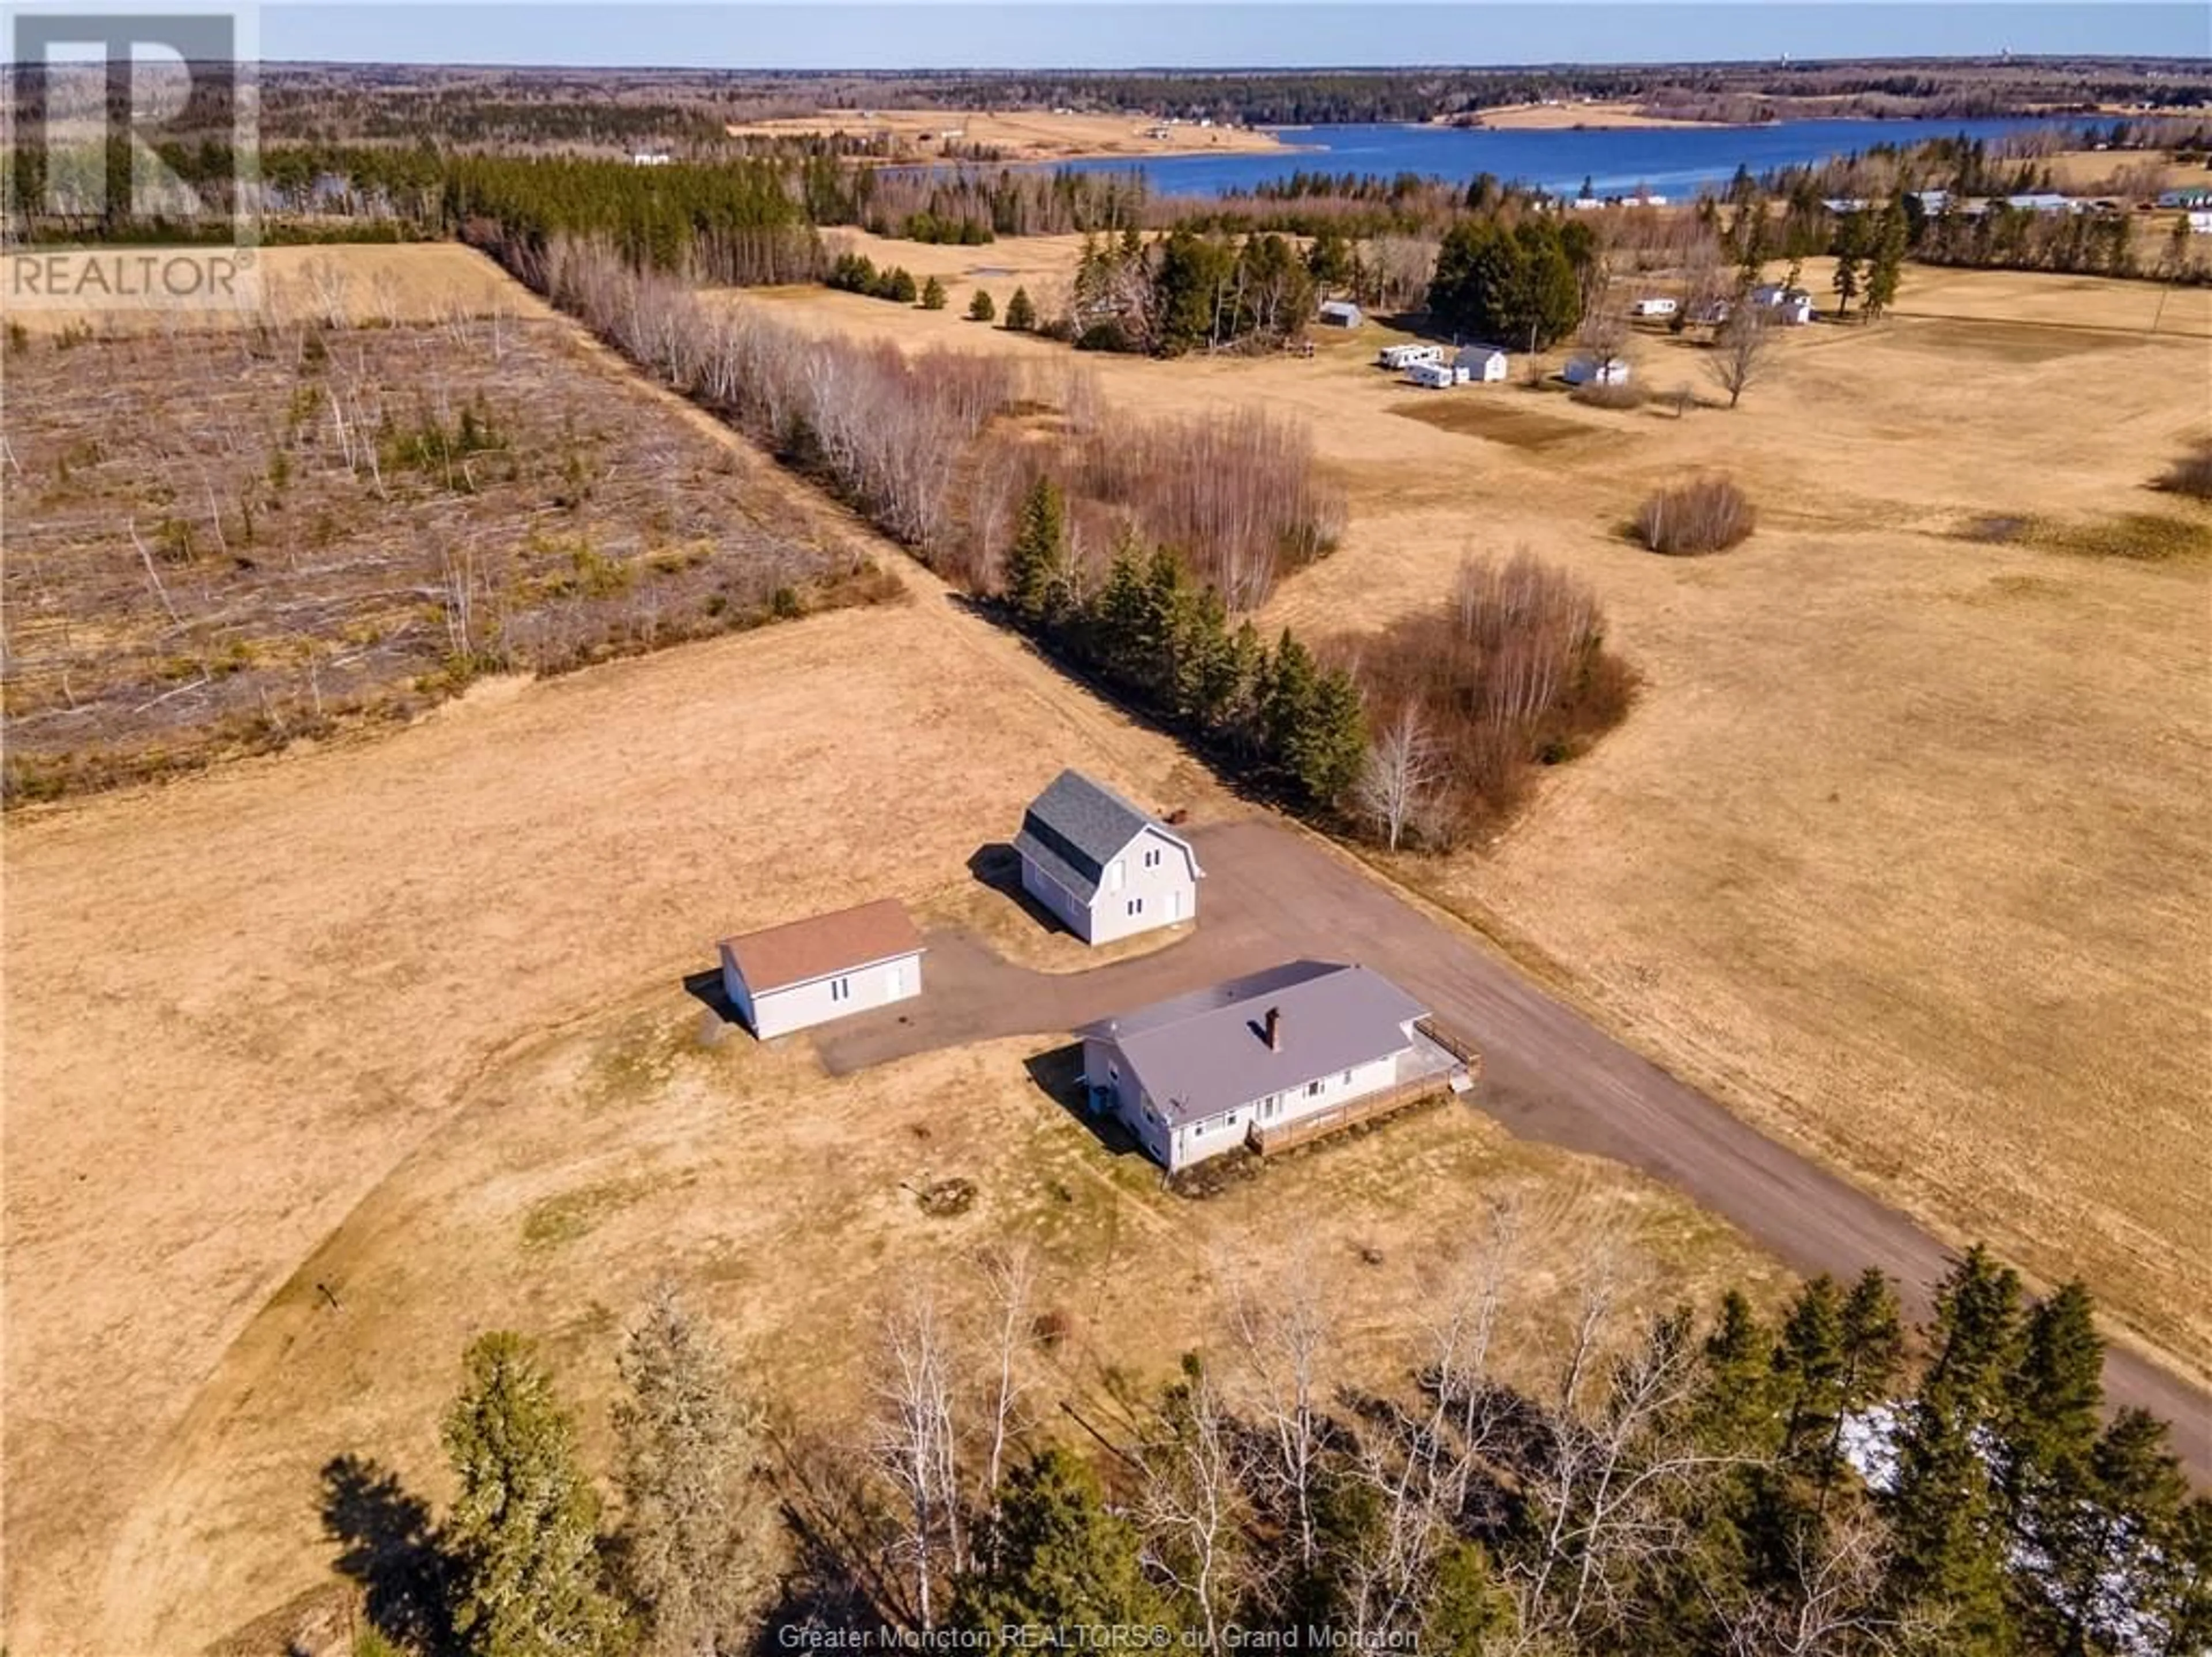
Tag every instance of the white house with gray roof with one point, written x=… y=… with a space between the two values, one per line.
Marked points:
x=1105 y=868
x=1285 y=1052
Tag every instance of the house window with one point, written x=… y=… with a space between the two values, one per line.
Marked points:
x=1136 y=905
x=841 y=990
x=1313 y=1089
x=1347 y=1078
x=1152 y=858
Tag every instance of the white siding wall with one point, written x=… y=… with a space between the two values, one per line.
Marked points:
x=1167 y=891
x=1102 y=1067
x=1057 y=898
x=778 y=1012
x=1196 y=1141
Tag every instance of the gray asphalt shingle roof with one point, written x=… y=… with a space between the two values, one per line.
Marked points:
x=1199 y=1054
x=1073 y=829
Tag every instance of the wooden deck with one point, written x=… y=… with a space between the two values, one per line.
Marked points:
x=1268 y=1142
x=1370 y=1107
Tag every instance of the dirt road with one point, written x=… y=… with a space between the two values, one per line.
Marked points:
x=1548 y=1073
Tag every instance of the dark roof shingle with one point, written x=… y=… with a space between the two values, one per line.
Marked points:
x=1073 y=829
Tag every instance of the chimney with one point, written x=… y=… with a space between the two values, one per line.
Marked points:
x=1274 y=1029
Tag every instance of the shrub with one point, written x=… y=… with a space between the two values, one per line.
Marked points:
x=1021 y=314
x=852 y=273
x=2192 y=473
x=1598 y=396
x=981 y=308
x=1707 y=515
x=933 y=295
x=1510 y=674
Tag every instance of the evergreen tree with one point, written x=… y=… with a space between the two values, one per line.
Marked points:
x=1873 y=1349
x=1287 y=699
x=1035 y=562
x=1515 y=286
x=1021 y=314
x=1313 y=727
x=1735 y=1408
x=1809 y=1366
x=1466 y=1610
x=2053 y=1401
x=2112 y=1539
x=691 y=1533
x=1886 y=266
x=1329 y=261
x=524 y=1528
x=1063 y=1560
x=1330 y=750
x=1851 y=249
x=933 y=295
x=981 y=308
x=1945 y=1512
x=1116 y=633
x=898 y=285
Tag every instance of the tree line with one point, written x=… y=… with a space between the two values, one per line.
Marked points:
x=1821 y=1483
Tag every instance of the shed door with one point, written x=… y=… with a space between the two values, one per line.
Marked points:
x=898 y=979
x=1175 y=904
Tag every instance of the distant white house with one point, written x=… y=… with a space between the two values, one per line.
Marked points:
x=1481 y=365
x=1278 y=1056
x=2200 y=222
x=1104 y=868
x=808 y=973
x=1594 y=371
x=651 y=158
x=1655 y=307
x=1404 y=356
x=1341 y=314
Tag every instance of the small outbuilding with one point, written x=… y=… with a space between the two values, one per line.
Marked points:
x=1655 y=307
x=1596 y=371
x=1481 y=365
x=808 y=973
x=1791 y=306
x=1105 y=868
x=1341 y=314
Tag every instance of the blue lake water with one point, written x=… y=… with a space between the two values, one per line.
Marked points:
x=1669 y=161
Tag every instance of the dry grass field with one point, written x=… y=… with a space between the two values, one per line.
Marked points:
x=1560 y=117
x=1903 y=852
x=1018 y=135
x=359 y=283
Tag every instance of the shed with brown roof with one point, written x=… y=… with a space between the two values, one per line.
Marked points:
x=807 y=972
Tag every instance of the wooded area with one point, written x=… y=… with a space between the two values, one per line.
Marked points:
x=1824 y=1484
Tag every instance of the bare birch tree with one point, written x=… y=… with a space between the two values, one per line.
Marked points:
x=915 y=1444
x=1401 y=769
x=1739 y=356
x=1192 y=1504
